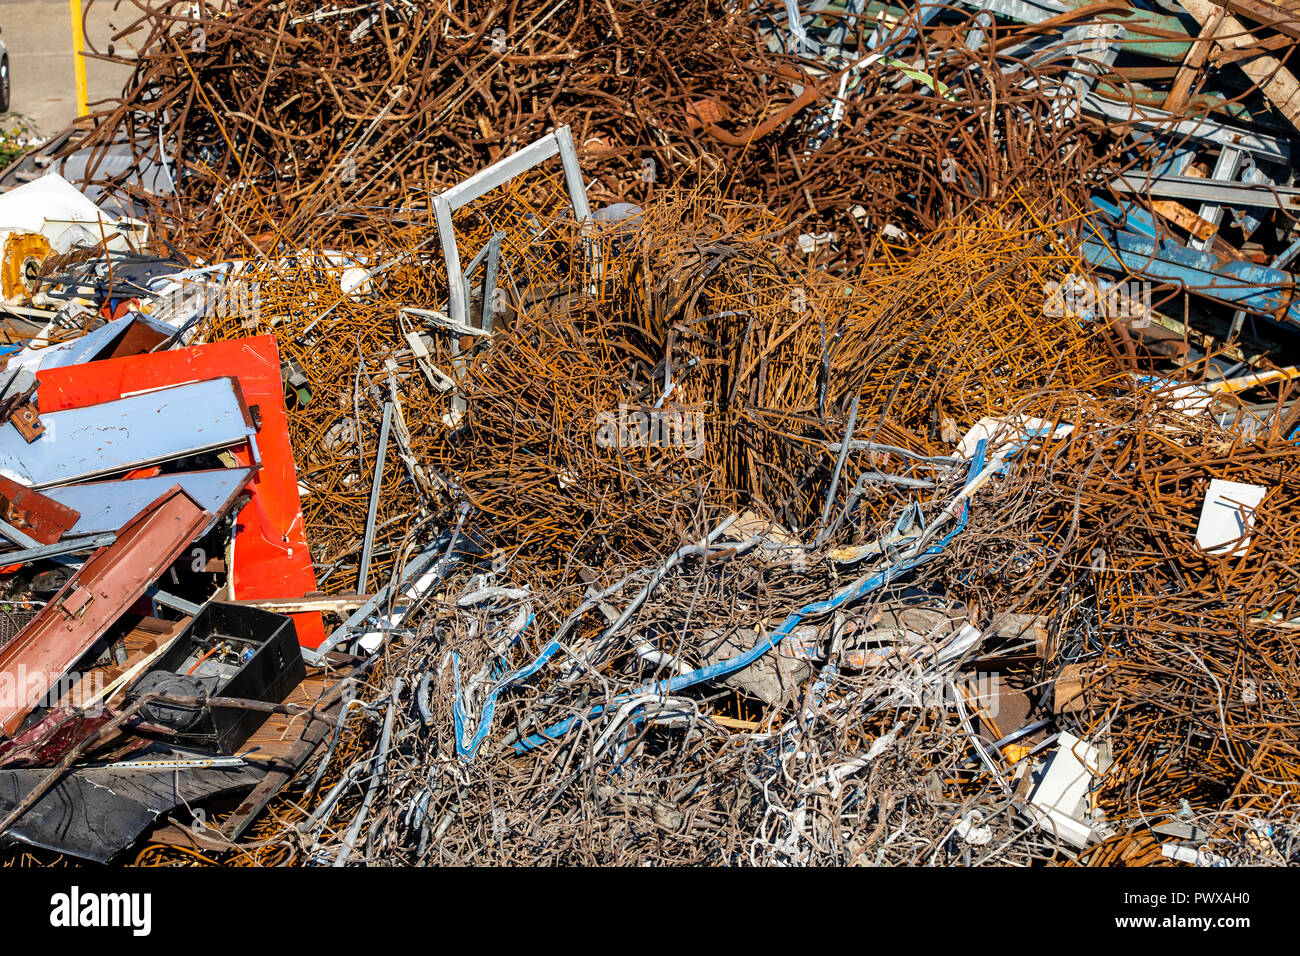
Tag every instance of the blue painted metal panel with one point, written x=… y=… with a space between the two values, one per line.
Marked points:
x=108 y=505
x=132 y=432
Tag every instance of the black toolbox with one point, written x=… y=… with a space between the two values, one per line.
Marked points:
x=228 y=650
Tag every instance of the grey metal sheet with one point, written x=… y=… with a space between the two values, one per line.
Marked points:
x=1211 y=191
x=108 y=505
x=1025 y=12
x=59 y=548
x=1225 y=172
x=1200 y=128
x=132 y=432
x=96 y=812
x=91 y=344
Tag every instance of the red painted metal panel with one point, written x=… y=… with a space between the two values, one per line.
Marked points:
x=95 y=597
x=40 y=518
x=271 y=559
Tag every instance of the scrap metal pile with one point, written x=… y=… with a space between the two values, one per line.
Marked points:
x=702 y=433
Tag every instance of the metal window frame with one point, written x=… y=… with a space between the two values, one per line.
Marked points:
x=499 y=173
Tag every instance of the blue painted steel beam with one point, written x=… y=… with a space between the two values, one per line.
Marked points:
x=1253 y=288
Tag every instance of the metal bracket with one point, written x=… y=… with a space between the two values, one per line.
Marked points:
x=492 y=253
x=1225 y=171
x=28 y=422
x=21 y=410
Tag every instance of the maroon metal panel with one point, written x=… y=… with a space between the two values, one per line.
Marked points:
x=41 y=518
x=107 y=584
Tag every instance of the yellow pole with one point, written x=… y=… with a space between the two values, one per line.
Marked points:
x=79 y=61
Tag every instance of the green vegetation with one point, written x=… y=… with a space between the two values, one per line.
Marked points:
x=17 y=134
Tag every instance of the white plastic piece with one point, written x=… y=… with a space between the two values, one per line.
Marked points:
x=1187 y=854
x=56 y=209
x=1061 y=797
x=1005 y=434
x=437 y=378
x=964 y=640
x=809 y=242
x=973 y=830
x=388 y=622
x=1227 y=514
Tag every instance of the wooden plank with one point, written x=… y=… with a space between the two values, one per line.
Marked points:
x=1193 y=62
x=286 y=767
x=1276 y=82
x=277 y=735
x=1268 y=14
x=1225 y=56
x=277 y=747
x=282 y=770
x=173 y=833
x=142 y=640
x=734 y=723
x=321 y=602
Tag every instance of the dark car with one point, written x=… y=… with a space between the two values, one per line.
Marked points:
x=4 y=76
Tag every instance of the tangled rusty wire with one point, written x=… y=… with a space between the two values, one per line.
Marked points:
x=290 y=122
x=531 y=716
x=811 y=427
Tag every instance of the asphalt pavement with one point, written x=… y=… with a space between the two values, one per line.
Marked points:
x=38 y=35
